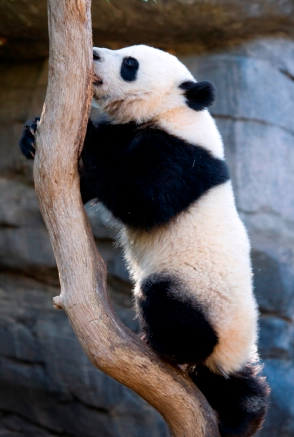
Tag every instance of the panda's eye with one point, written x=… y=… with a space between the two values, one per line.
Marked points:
x=130 y=62
x=129 y=69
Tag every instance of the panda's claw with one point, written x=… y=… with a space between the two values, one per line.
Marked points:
x=144 y=338
x=27 y=141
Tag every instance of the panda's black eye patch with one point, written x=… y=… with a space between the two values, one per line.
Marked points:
x=129 y=69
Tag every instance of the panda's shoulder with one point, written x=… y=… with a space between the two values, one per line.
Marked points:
x=110 y=135
x=177 y=158
x=104 y=125
x=152 y=138
x=155 y=137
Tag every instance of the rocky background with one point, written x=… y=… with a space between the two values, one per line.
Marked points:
x=48 y=387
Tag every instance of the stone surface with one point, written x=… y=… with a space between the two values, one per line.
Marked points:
x=274 y=277
x=264 y=188
x=280 y=375
x=24 y=242
x=276 y=50
x=276 y=337
x=197 y=24
x=48 y=387
x=238 y=77
x=46 y=379
x=23 y=88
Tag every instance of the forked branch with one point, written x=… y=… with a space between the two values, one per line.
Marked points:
x=109 y=345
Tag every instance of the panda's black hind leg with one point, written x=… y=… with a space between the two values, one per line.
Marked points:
x=240 y=400
x=174 y=325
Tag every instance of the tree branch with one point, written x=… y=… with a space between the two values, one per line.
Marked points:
x=110 y=346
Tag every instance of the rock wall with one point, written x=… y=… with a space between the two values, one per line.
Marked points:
x=173 y=24
x=48 y=387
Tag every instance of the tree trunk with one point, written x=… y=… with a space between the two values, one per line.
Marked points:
x=110 y=346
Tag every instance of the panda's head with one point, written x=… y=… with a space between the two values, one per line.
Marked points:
x=139 y=83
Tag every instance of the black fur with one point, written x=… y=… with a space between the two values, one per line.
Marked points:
x=96 y=55
x=27 y=141
x=240 y=401
x=129 y=69
x=174 y=326
x=199 y=95
x=143 y=175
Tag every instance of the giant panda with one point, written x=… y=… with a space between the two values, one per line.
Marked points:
x=156 y=160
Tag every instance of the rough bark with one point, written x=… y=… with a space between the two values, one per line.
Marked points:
x=110 y=346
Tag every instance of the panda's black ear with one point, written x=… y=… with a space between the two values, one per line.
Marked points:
x=199 y=95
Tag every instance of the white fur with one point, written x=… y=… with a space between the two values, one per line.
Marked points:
x=206 y=246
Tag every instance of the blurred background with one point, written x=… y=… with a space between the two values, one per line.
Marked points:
x=48 y=387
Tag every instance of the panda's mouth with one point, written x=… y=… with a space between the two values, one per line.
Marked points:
x=97 y=81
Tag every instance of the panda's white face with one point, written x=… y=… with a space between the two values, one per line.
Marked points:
x=137 y=83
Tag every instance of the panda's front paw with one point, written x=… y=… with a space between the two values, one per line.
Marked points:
x=27 y=141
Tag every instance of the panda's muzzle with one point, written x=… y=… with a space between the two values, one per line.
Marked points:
x=97 y=80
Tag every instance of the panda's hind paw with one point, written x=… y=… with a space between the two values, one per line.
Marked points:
x=241 y=401
x=27 y=141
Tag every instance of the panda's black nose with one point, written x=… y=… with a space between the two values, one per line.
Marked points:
x=96 y=55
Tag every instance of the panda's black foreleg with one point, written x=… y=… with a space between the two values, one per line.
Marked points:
x=27 y=140
x=240 y=400
x=28 y=148
x=173 y=325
